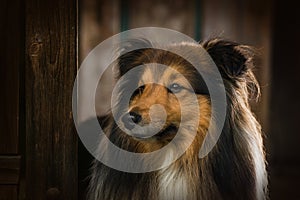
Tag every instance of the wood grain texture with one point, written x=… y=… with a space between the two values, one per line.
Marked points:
x=9 y=169
x=51 y=64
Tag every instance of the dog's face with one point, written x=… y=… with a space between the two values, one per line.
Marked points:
x=162 y=102
x=165 y=99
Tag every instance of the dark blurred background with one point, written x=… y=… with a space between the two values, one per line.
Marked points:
x=43 y=43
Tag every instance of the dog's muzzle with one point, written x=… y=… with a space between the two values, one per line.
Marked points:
x=131 y=119
x=141 y=128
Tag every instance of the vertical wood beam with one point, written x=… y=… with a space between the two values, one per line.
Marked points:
x=51 y=64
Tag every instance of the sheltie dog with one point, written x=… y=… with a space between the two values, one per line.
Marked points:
x=234 y=169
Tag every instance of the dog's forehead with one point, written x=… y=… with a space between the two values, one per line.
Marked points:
x=157 y=73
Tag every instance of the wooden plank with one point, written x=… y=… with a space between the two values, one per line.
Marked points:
x=8 y=192
x=11 y=58
x=9 y=169
x=51 y=64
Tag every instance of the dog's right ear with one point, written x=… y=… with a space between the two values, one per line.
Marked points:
x=133 y=49
x=231 y=58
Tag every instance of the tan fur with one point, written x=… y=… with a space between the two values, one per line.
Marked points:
x=158 y=94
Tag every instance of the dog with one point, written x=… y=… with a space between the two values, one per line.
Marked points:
x=234 y=169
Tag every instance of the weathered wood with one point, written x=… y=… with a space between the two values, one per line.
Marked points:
x=51 y=64
x=9 y=169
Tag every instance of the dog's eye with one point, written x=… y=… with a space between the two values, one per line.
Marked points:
x=138 y=91
x=175 y=88
x=141 y=89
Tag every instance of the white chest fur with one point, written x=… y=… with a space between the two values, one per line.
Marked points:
x=172 y=185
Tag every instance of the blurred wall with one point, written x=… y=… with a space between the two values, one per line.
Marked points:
x=284 y=107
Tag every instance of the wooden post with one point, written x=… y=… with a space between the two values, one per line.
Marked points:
x=12 y=59
x=51 y=65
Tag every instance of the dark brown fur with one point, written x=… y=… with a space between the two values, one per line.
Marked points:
x=234 y=169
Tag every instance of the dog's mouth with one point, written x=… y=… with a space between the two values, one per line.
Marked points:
x=168 y=133
x=170 y=130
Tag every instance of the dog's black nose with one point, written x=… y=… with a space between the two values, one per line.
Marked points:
x=130 y=119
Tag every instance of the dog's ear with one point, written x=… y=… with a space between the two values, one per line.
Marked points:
x=131 y=50
x=231 y=58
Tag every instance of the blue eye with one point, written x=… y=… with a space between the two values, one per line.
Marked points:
x=175 y=88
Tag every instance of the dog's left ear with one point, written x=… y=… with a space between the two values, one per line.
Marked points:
x=135 y=49
x=231 y=58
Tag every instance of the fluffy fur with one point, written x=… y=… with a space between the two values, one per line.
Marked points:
x=234 y=169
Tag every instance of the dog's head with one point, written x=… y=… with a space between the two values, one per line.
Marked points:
x=167 y=85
